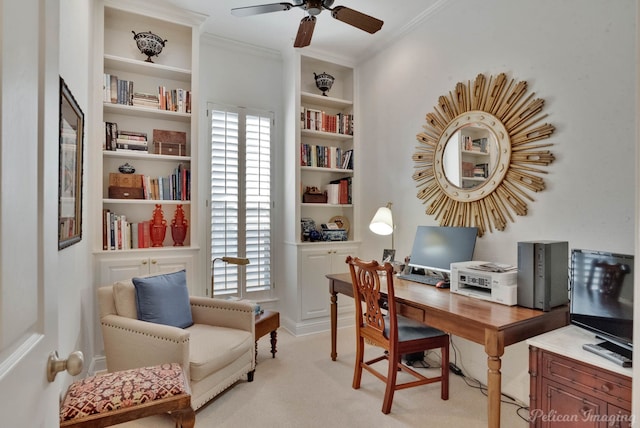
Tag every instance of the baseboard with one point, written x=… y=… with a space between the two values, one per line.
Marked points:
x=98 y=364
x=316 y=325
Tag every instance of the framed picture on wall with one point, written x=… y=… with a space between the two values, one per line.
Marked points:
x=69 y=169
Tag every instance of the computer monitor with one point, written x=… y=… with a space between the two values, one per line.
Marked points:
x=602 y=296
x=436 y=247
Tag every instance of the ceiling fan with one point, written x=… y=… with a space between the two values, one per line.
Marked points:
x=314 y=7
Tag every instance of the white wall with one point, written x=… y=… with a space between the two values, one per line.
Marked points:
x=579 y=56
x=74 y=264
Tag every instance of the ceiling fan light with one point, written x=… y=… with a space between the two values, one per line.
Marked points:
x=313 y=7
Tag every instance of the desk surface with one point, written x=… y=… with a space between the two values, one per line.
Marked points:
x=445 y=310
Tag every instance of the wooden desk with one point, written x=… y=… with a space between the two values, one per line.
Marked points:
x=490 y=324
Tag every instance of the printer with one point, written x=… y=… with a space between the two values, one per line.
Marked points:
x=486 y=281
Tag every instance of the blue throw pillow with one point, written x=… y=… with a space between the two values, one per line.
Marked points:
x=164 y=299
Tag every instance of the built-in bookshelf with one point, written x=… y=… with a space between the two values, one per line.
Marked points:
x=146 y=141
x=326 y=143
x=321 y=157
x=147 y=111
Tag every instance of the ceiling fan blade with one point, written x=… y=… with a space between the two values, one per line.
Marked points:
x=263 y=8
x=357 y=19
x=305 y=31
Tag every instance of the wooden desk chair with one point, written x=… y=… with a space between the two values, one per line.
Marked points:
x=396 y=334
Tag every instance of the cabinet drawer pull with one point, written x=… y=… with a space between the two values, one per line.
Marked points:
x=144 y=262
x=606 y=387
x=585 y=411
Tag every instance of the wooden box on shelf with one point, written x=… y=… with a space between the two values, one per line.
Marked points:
x=125 y=180
x=174 y=149
x=167 y=142
x=118 y=192
x=314 y=196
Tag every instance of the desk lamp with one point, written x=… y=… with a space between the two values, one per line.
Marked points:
x=229 y=260
x=382 y=224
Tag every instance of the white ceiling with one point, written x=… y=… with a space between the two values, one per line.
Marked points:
x=277 y=30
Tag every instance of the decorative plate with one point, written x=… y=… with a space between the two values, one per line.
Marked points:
x=341 y=221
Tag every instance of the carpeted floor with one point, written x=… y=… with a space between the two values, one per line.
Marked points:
x=303 y=388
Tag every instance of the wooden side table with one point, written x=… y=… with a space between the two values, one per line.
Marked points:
x=268 y=322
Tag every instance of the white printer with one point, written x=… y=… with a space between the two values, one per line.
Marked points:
x=487 y=281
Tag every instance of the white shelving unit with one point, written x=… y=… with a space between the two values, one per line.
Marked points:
x=305 y=295
x=176 y=67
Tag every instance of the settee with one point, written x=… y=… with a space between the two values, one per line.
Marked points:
x=217 y=350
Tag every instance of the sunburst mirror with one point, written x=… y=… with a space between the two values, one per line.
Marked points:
x=480 y=153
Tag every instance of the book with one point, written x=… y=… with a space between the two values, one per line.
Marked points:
x=111 y=132
x=113 y=96
x=123 y=133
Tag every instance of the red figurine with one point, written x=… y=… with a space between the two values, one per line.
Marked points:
x=158 y=227
x=178 y=227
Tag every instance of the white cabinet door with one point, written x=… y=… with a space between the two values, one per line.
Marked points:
x=112 y=270
x=173 y=264
x=315 y=264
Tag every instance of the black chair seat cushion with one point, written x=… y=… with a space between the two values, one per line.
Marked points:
x=409 y=329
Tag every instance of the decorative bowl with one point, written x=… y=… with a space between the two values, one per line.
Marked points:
x=149 y=44
x=126 y=168
x=324 y=82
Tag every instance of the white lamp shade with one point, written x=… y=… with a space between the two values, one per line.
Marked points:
x=382 y=223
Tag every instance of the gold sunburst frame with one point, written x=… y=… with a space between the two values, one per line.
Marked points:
x=512 y=117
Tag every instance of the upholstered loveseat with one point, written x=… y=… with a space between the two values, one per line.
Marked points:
x=218 y=349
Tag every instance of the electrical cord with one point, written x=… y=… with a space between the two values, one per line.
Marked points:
x=475 y=383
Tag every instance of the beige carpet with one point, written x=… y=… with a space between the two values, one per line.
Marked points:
x=303 y=388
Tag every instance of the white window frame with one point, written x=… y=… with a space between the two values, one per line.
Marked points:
x=260 y=270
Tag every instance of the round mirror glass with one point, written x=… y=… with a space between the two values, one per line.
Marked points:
x=469 y=157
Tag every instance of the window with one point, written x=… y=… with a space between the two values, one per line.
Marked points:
x=241 y=200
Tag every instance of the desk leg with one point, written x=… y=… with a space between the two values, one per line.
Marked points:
x=494 y=347
x=334 y=323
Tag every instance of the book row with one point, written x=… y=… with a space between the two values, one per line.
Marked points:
x=120 y=234
x=474 y=145
x=339 y=191
x=165 y=142
x=478 y=170
x=120 y=91
x=325 y=156
x=173 y=187
x=318 y=120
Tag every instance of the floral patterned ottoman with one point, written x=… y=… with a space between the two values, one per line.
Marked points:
x=112 y=398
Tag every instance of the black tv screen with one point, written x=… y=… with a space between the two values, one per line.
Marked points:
x=436 y=247
x=602 y=295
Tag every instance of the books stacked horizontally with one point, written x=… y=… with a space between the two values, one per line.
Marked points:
x=141 y=99
x=132 y=141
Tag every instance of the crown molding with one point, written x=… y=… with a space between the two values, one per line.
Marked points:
x=238 y=46
x=418 y=20
x=159 y=11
